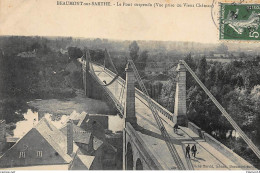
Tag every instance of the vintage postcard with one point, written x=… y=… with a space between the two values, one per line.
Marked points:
x=129 y=85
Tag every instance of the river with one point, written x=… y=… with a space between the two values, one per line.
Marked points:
x=57 y=111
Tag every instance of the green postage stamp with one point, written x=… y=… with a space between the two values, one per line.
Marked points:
x=239 y=21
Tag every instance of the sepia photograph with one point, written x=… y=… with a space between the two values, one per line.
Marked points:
x=90 y=93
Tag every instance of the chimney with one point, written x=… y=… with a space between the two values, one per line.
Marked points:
x=90 y=145
x=69 y=137
x=2 y=135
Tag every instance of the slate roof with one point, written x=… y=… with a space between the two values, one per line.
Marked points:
x=82 y=136
x=79 y=135
x=76 y=118
x=86 y=160
x=82 y=118
x=81 y=161
x=96 y=143
x=55 y=138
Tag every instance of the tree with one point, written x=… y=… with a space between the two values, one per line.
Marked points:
x=190 y=61
x=211 y=76
x=134 y=49
x=74 y=52
x=202 y=69
x=141 y=61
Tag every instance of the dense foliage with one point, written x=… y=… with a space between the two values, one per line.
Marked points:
x=45 y=74
x=236 y=85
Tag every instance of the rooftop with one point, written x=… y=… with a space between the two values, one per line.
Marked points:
x=55 y=138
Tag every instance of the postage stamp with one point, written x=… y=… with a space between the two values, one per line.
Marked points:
x=239 y=21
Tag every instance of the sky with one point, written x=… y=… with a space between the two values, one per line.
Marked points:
x=46 y=18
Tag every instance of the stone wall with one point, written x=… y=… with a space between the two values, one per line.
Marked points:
x=196 y=129
x=227 y=152
x=219 y=146
x=140 y=151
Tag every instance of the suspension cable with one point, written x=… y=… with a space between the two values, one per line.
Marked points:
x=159 y=122
x=108 y=56
x=110 y=60
x=224 y=112
x=122 y=93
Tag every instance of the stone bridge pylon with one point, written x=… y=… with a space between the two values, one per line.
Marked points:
x=180 y=108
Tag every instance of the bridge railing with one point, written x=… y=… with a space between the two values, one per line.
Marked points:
x=158 y=107
x=119 y=107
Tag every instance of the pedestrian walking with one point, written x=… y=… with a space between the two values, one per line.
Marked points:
x=194 y=150
x=188 y=151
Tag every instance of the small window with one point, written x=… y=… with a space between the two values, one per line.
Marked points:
x=39 y=153
x=22 y=154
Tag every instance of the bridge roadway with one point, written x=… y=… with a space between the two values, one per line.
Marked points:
x=207 y=158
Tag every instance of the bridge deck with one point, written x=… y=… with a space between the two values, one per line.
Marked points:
x=207 y=158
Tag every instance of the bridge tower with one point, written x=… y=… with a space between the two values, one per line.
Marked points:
x=86 y=75
x=129 y=108
x=180 y=108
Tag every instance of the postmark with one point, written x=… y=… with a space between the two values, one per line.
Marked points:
x=239 y=21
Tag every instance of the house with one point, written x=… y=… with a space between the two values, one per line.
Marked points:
x=82 y=161
x=103 y=157
x=71 y=147
x=44 y=144
x=78 y=119
x=83 y=139
x=95 y=152
x=95 y=123
x=86 y=157
x=6 y=140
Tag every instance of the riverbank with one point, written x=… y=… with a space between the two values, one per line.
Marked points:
x=80 y=103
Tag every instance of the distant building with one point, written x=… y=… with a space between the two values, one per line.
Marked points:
x=62 y=51
x=220 y=55
x=29 y=54
x=154 y=70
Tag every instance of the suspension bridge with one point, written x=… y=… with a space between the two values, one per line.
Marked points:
x=149 y=141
